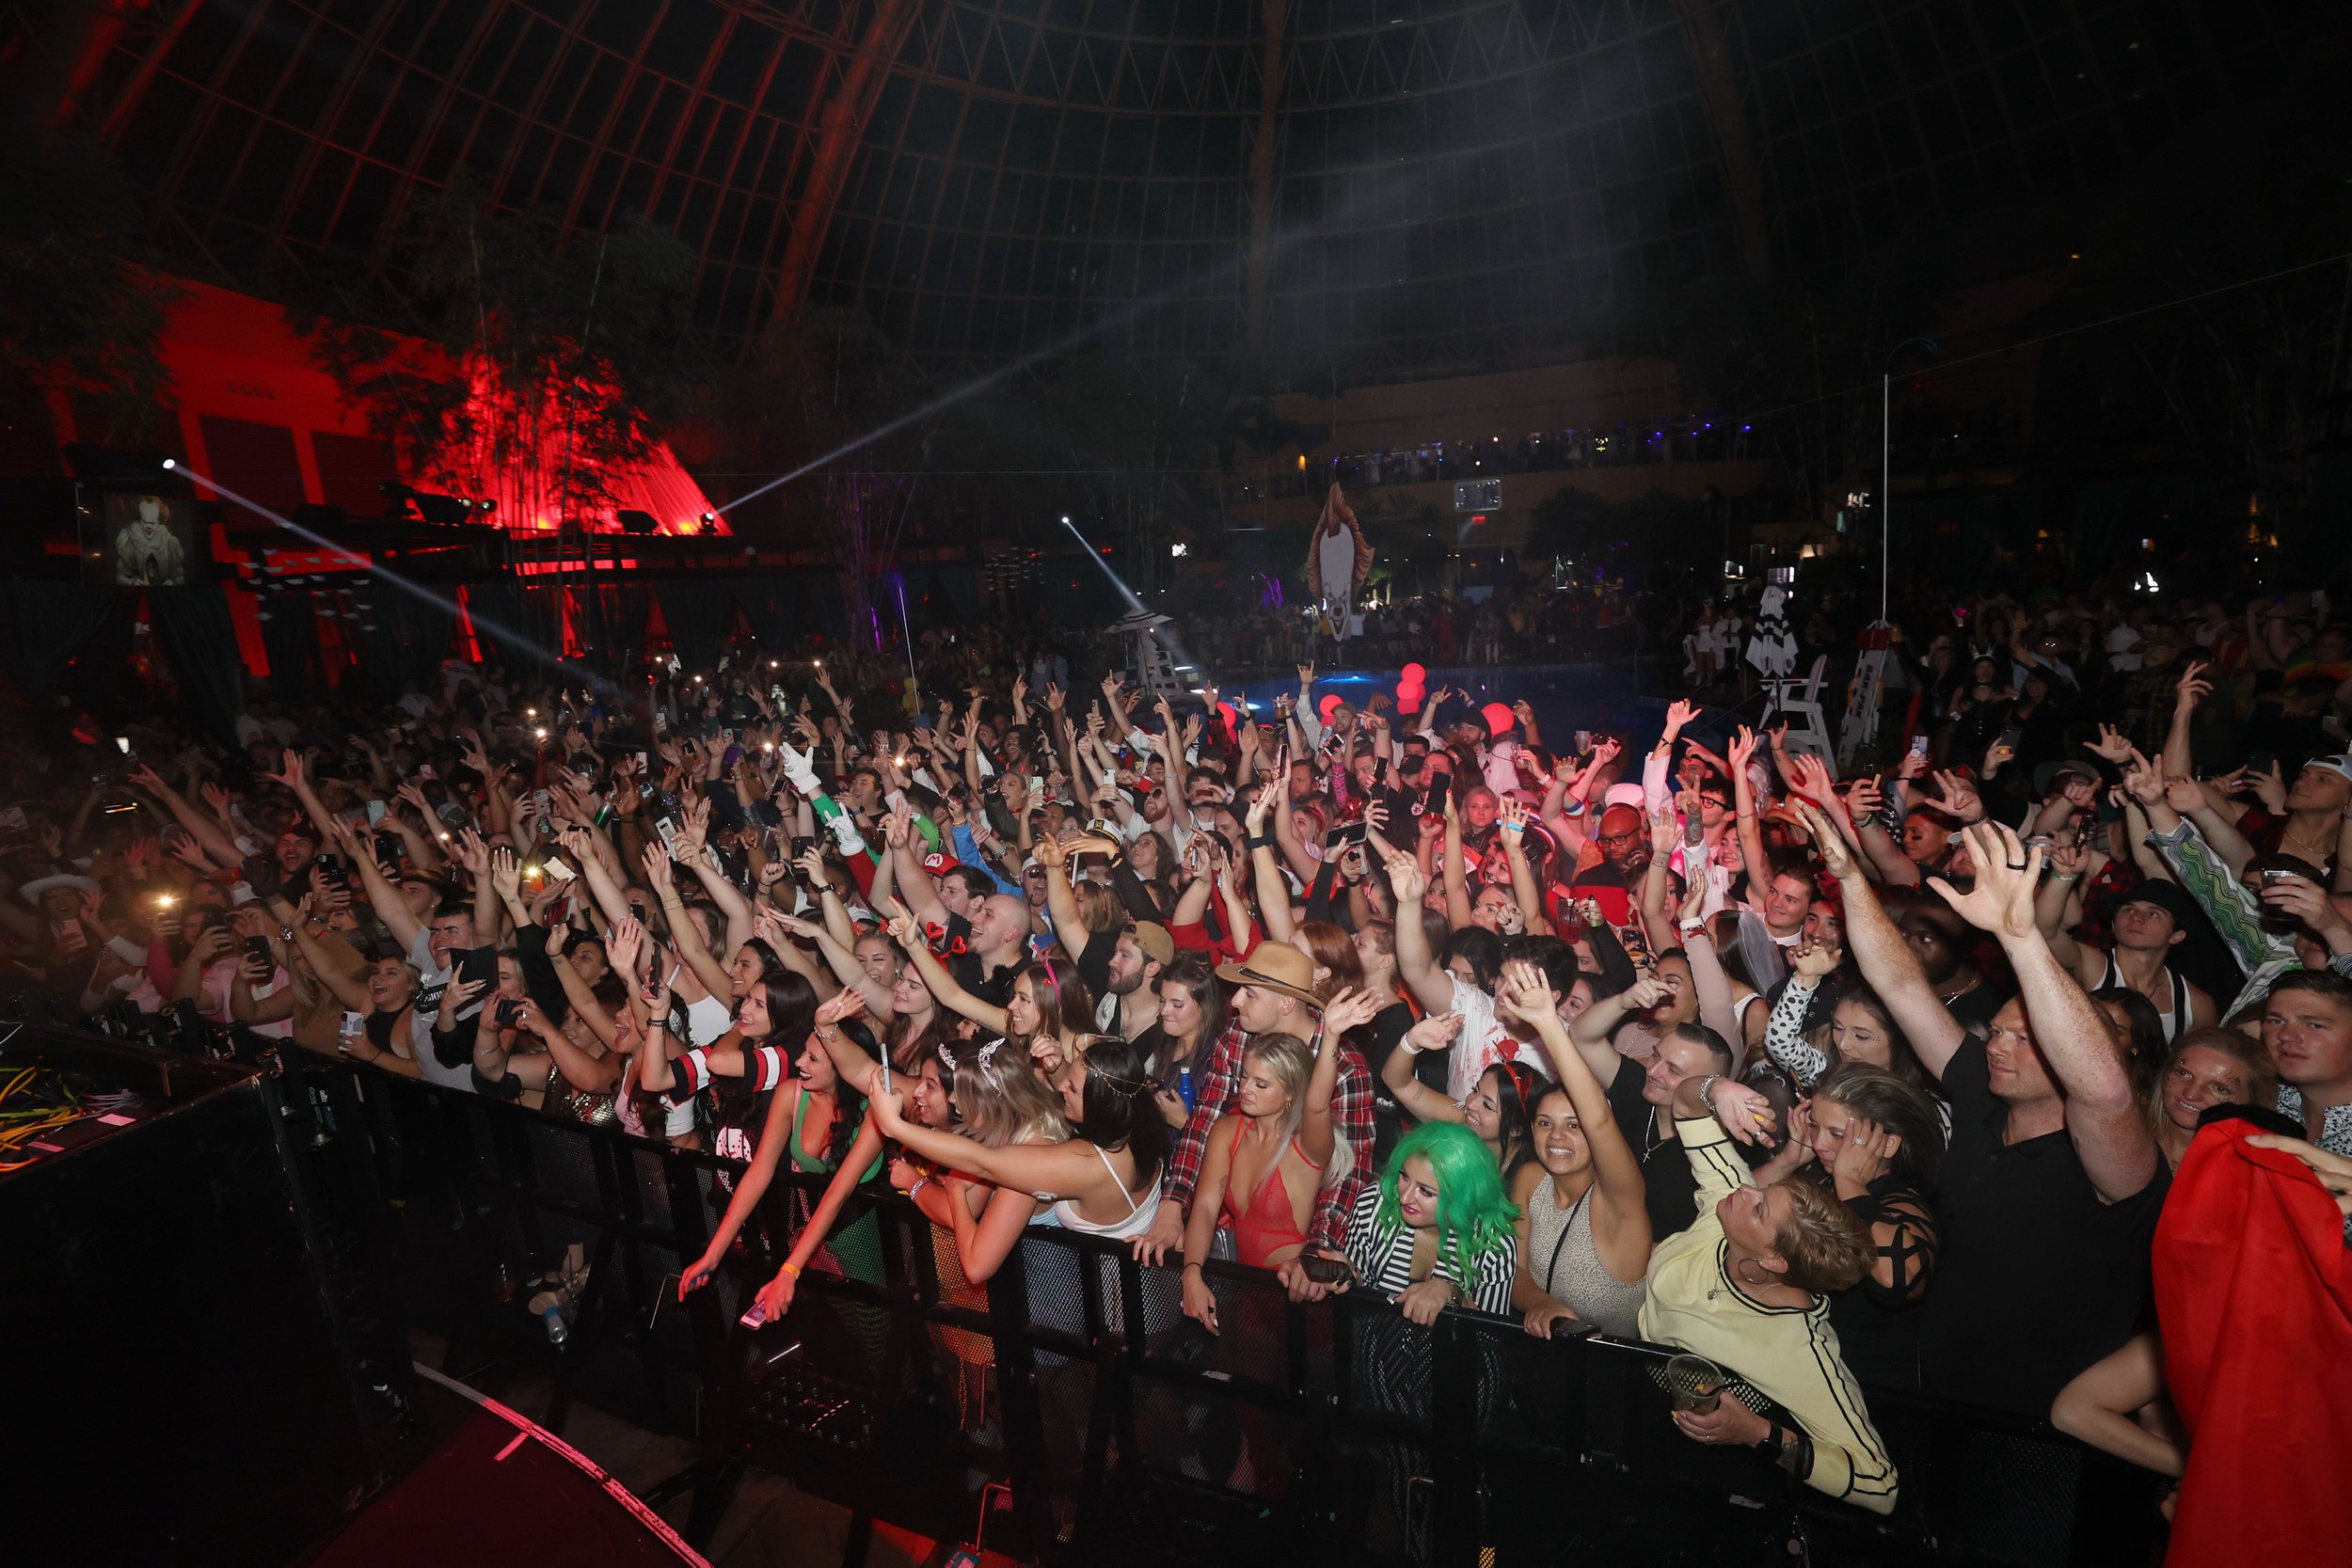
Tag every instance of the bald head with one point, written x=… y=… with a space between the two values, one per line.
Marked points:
x=999 y=927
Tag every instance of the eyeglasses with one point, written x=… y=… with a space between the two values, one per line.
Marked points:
x=1620 y=838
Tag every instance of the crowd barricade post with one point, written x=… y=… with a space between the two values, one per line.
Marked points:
x=1323 y=1429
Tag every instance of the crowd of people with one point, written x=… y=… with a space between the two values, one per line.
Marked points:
x=1843 y=1083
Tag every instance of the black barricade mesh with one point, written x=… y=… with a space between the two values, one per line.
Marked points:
x=1339 y=1430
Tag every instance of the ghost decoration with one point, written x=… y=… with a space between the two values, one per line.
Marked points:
x=1772 y=648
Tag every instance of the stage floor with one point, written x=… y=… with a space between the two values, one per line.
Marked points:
x=479 y=1488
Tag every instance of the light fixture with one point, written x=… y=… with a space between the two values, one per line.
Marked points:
x=171 y=461
x=1177 y=550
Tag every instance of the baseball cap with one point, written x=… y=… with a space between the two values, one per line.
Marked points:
x=1156 y=944
x=2340 y=762
x=1627 y=794
x=938 y=863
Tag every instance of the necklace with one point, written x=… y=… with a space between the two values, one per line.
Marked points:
x=2321 y=850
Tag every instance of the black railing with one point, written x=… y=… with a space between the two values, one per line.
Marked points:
x=1117 y=1429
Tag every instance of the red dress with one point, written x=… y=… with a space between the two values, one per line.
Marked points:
x=2255 y=1298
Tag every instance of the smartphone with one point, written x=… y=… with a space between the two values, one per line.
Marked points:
x=801 y=845
x=668 y=830
x=510 y=1014
x=478 y=963
x=1346 y=833
x=1326 y=1270
x=326 y=869
x=756 y=1316
x=388 y=848
x=1918 y=745
x=559 y=910
x=2278 y=874
x=2011 y=739
x=257 y=952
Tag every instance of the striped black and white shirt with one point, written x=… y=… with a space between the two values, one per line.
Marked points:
x=1383 y=1257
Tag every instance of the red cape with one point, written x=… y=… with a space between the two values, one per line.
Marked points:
x=2254 y=1297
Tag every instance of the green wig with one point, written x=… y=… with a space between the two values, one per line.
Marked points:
x=1475 y=1216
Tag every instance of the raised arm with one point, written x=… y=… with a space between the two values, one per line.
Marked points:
x=1431 y=985
x=1621 y=1220
x=2103 y=1115
x=1274 y=895
x=383 y=898
x=940 y=983
x=1882 y=955
x=1419 y=1101
x=685 y=931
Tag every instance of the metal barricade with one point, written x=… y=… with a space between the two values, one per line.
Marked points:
x=1121 y=1430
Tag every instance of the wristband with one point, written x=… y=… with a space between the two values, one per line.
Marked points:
x=1571 y=807
x=790 y=1268
x=1191 y=1266
x=920 y=1182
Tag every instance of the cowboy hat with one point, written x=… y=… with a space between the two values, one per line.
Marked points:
x=1275 y=966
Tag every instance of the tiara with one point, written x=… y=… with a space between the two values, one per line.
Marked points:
x=981 y=1056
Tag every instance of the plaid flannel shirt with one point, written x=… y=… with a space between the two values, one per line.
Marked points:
x=1219 y=1079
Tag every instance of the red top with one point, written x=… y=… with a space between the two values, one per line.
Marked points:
x=1269 y=1224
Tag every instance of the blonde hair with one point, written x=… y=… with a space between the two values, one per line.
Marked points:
x=999 y=1098
x=1289 y=1063
x=1827 y=1249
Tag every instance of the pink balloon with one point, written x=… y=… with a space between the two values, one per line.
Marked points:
x=1500 y=719
x=1408 y=697
x=1414 y=676
x=1323 y=708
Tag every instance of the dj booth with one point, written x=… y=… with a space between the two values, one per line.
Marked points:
x=212 y=1300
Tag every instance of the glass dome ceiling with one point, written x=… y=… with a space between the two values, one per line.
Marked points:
x=1403 y=186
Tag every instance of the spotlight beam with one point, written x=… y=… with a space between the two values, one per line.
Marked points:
x=415 y=590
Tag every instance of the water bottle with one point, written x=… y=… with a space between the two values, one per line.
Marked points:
x=1184 y=1087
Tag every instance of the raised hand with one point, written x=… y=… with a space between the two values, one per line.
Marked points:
x=507 y=875
x=289 y=772
x=1526 y=994
x=2002 y=897
x=846 y=1003
x=1742 y=750
x=1957 y=796
x=1814 y=961
x=1864 y=797
x=1405 y=877
x=2192 y=688
x=472 y=852
x=2110 y=745
x=1679 y=713
x=1434 y=1033
x=2270 y=788
x=1350 y=1010
x=1836 y=856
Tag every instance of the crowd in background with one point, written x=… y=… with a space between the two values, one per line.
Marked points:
x=1846 y=1083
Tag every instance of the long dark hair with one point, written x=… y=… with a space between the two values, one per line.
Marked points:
x=1195 y=971
x=1517 y=1092
x=1120 y=1112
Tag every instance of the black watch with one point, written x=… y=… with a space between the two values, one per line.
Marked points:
x=1768 y=1445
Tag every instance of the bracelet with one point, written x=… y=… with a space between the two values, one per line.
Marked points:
x=2066 y=875
x=790 y=1268
x=920 y=1182
x=1706 y=1086
x=1190 y=1266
